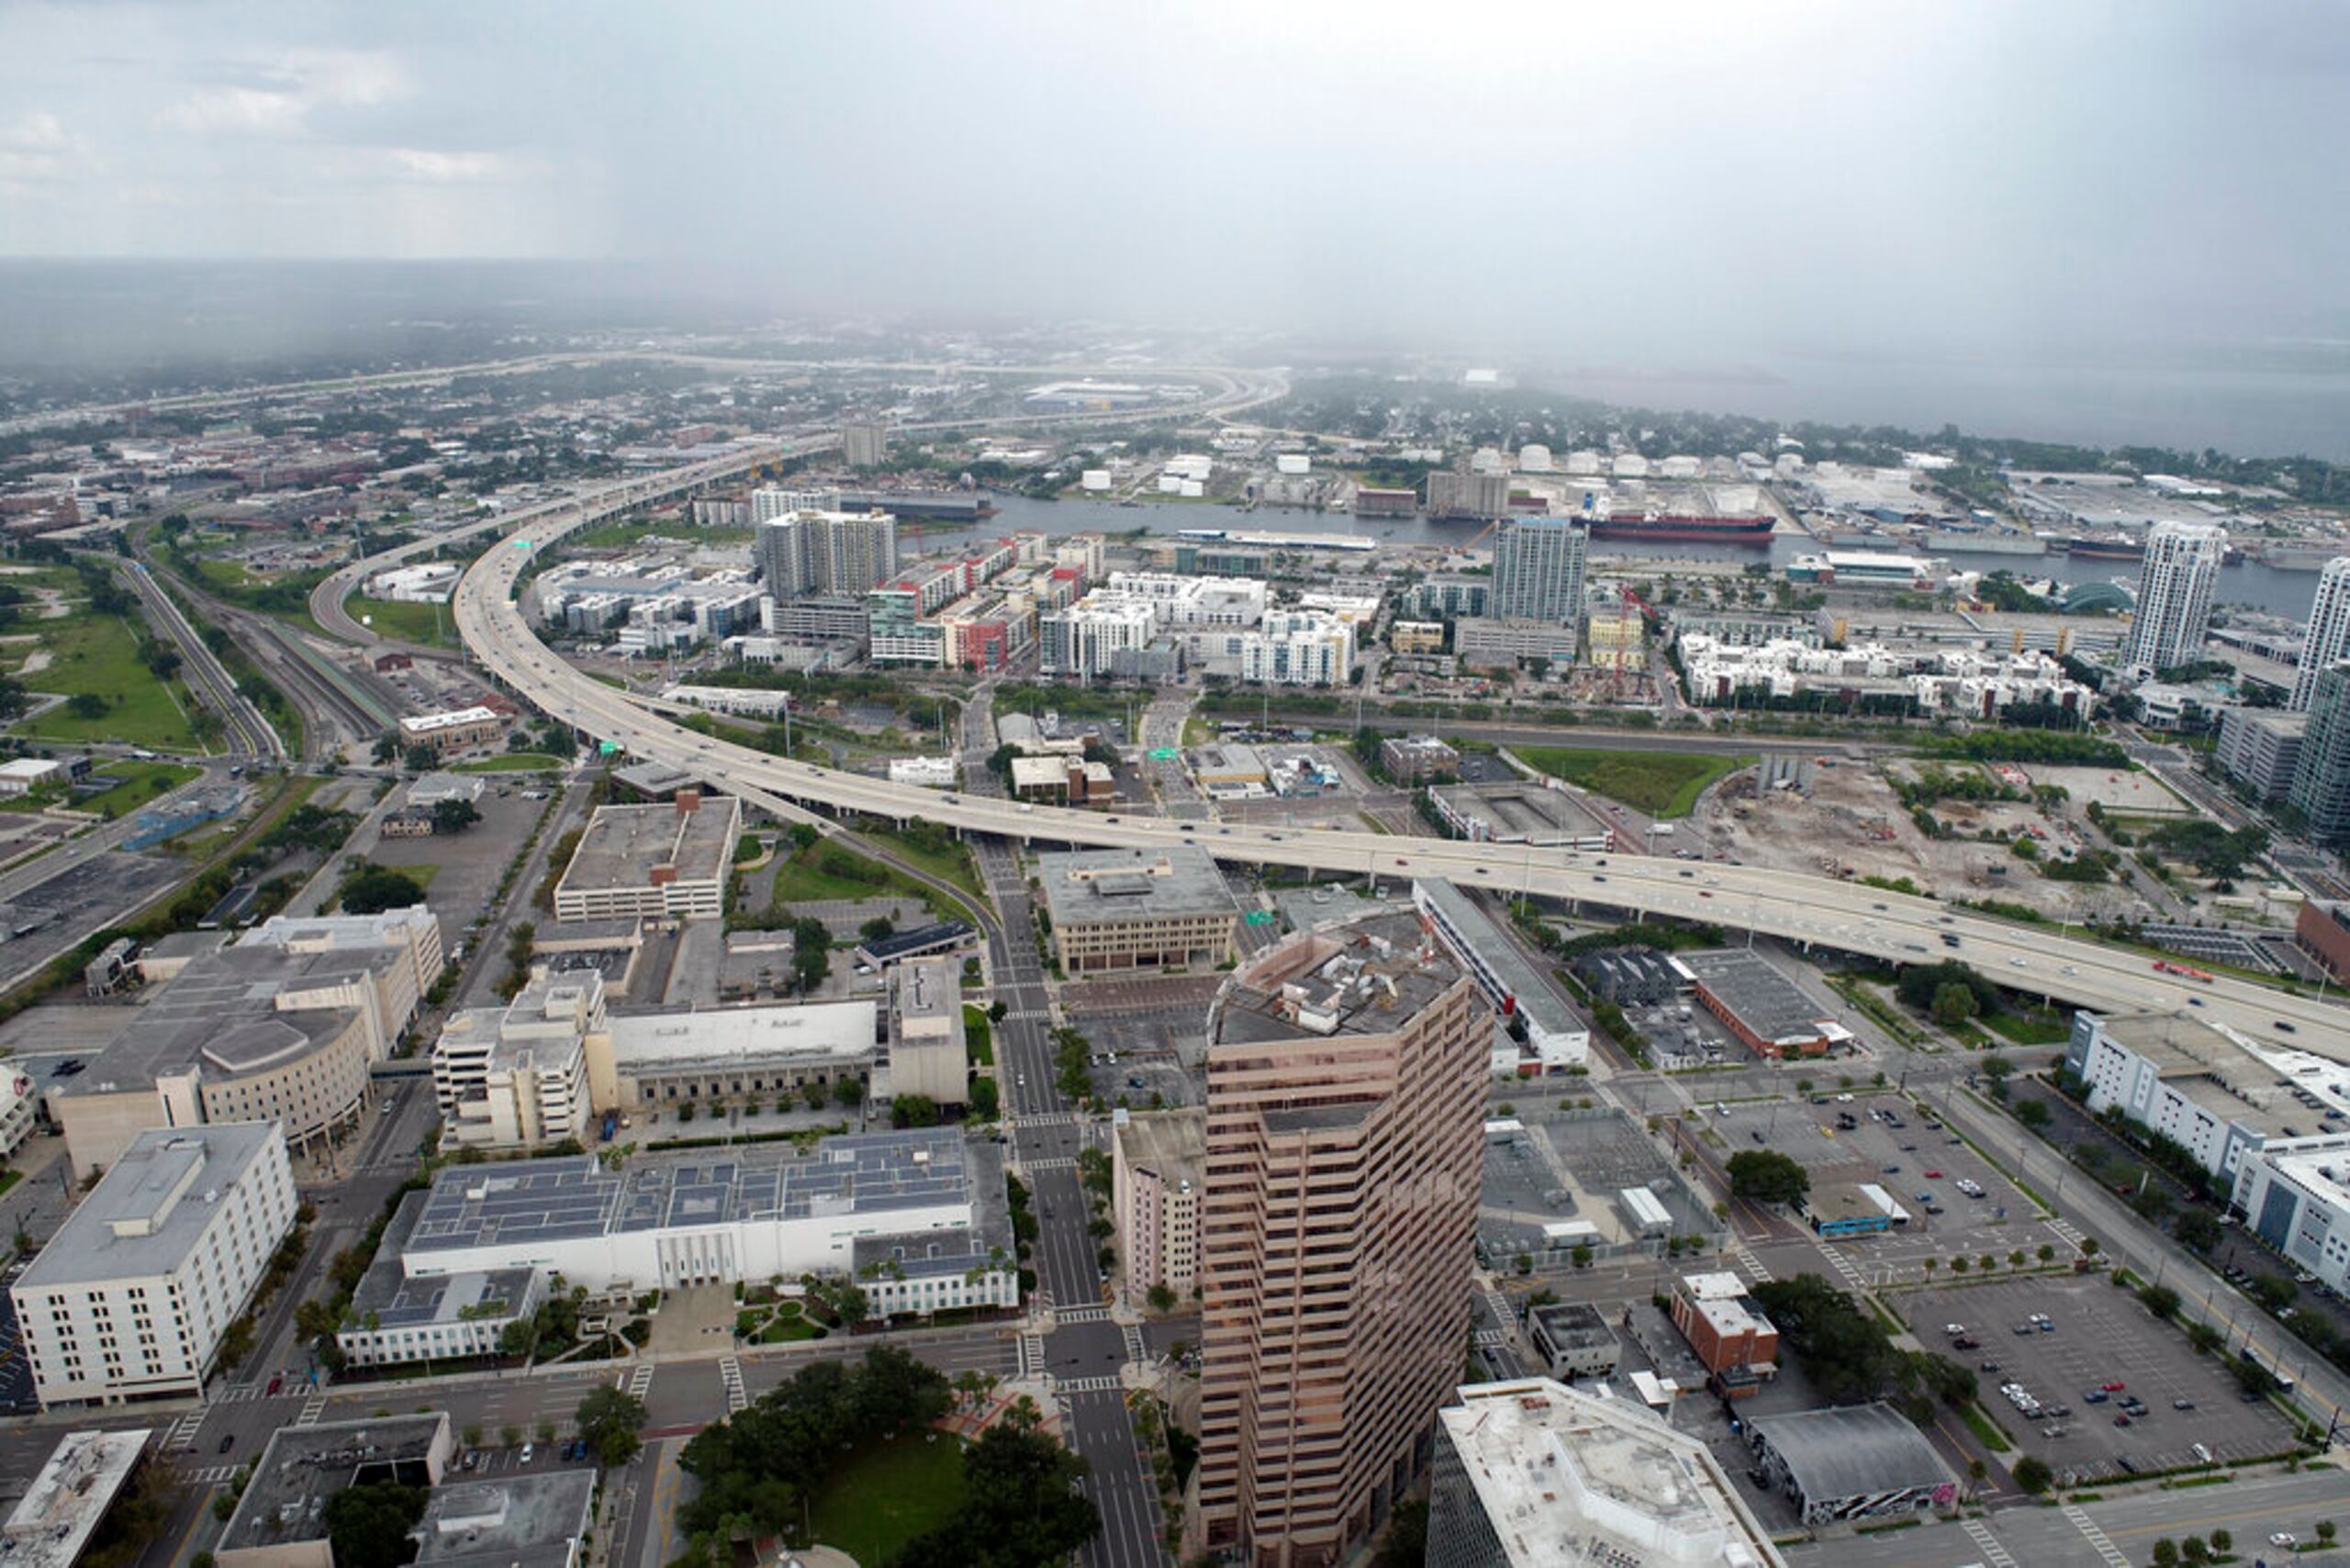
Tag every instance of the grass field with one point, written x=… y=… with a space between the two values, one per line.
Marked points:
x=428 y=625
x=816 y=873
x=511 y=762
x=978 y=1039
x=888 y=1493
x=948 y=860
x=141 y=782
x=1656 y=783
x=100 y=654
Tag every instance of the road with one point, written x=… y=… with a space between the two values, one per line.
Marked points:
x=1812 y=909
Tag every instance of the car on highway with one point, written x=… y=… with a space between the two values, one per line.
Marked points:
x=2284 y=1538
x=1933 y=1175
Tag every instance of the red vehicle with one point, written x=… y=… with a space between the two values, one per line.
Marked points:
x=2114 y=1387
x=275 y=1383
x=2165 y=967
x=1933 y=1175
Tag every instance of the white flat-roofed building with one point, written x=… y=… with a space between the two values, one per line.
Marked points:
x=131 y=1297
x=2295 y=1197
x=2185 y=1080
x=1534 y=1474
x=23 y=775
x=931 y=772
x=659 y=862
x=516 y=1077
x=414 y=933
x=59 y=1513
x=427 y=583
x=646 y=1061
x=1557 y=1039
x=919 y=1218
x=742 y=701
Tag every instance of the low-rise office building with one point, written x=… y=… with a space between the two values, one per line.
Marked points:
x=661 y=862
x=1557 y=1038
x=516 y=1077
x=2259 y=749
x=55 y=1518
x=280 y=1519
x=2295 y=1197
x=929 y=1055
x=1575 y=1339
x=1126 y=909
x=2185 y=1080
x=645 y=1061
x=532 y=1521
x=1737 y=1345
x=395 y=1320
x=1418 y=759
x=454 y=730
x=1535 y=1475
x=1156 y=1172
x=2322 y=929
x=130 y=1298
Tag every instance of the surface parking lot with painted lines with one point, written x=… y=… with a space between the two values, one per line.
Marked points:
x=2101 y=1335
x=2000 y=1222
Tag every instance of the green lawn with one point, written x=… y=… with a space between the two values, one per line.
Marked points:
x=888 y=1493
x=826 y=870
x=429 y=624
x=2038 y=1027
x=141 y=782
x=100 y=654
x=1657 y=783
x=939 y=854
x=511 y=762
x=977 y=1035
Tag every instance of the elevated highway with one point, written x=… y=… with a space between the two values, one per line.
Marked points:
x=1808 y=910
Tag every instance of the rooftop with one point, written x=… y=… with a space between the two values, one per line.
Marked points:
x=1575 y=1323
x=56 y=1516
x=624 y=846
x=398 y=1302
x=1569 y=1478
x=150 y=1207
x=1850 y=1451
x=2213 y=1071
x=1171 y=1145
x=1531 y=990
x=1766 y=1000
x=1524 y=814
x=1093 y=886
x=526 y=1520
x=1368 y=976
x=519 y=1203
x=725 y=1036
x=301 y=1467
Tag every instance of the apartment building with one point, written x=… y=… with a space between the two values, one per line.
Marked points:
x=1158 y=1176
x=1346 y=1100
x=131 y=1296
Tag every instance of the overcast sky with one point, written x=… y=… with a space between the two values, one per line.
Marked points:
x=1956 y=172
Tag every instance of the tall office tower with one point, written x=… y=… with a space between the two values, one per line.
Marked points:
x=2329 y=638
x=852 y=552
x=2182 y=567
x=1345 y=1114
x=864 y=445
x=1537 y=569
x=2320 y=788
x=782 y=554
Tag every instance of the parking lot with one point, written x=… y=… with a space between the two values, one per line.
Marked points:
x=470 y=863
x=1919 y=1164
x=2099 y=1335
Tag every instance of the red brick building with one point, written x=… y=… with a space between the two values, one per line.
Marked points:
x=1737 y=1345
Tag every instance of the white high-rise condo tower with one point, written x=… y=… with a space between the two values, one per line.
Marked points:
x=2329 y=638
x=2175 y=594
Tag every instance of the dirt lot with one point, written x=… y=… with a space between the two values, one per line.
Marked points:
x=2100 y=1335
x=1852 y=823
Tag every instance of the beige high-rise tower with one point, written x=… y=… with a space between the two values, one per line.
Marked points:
x=1344 y=1149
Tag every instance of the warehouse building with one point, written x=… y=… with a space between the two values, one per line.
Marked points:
x=131 y=1298
x=1763 y=1008
x=1850 y=1462
x=662 y=862
x=1535 y=1475
x=1557 y=1038
x=1128 y=909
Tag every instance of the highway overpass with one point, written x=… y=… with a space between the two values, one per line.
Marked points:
x=1804 y=909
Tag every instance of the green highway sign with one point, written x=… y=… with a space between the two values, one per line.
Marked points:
x=1163 y=754
x=1258 y=917
x=607 y=748
x=521 y=545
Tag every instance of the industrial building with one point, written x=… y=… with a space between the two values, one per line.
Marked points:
x=1535 y=1475
x=1128 y=909
x=1345 y=1103
x=924 y=1211
x=1728 y=1332
x=1557 y=1038
x=131 y=1296
x=1520 y=812
x=59 y=1513
x=661 y=862
x=2259 y=749
x=1773 y=1015
x=1157 y=1172
x=1575 y=1339
x=1850 y=1462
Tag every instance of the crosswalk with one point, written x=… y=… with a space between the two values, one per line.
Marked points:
x=2066 y=1233
x=312 y=1408
x=182 y=1432
x=1754 y=1266
x=730 y=1372
x=1031 y=1355
x=1995 y=1554
x=212 y=1474
x=1080 y=1314
x=640 y=1382
x=1056 y=1163
x=2095 y=1537
x=1135 y=1349
x=1846 y=1266
x=237 y=1393
x=1045 y=1119
x=1106 y=1385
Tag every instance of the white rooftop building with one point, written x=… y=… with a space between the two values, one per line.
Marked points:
x=1535 y=1475
x=59 y=1513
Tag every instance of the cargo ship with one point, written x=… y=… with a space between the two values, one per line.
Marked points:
x=945 y=506
x=2118 y=548
x=1754 y=531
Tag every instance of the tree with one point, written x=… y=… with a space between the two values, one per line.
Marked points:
x=847 y=1093
x=1022 y=1505
x=2198 y=1230
x=2222 y=1542
x=1162 y=1297
x=2033 y=1114
x=812 y=952
x=453 y=815
x=422 y=759
x=2194 y=1552
x=2031 y=1474
x=2325 y=1531
x=985 y=1102
x=878 y=928
x=1954 y=1005
x=1406 y=1545
x=86 y=705
x=472 y=1435
x=1767 y=1176
x=2166 y=1553
x=368 y=1525
x=388 y=747
x=375 y=890
x=913 y=1111
x=1997 y=1067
